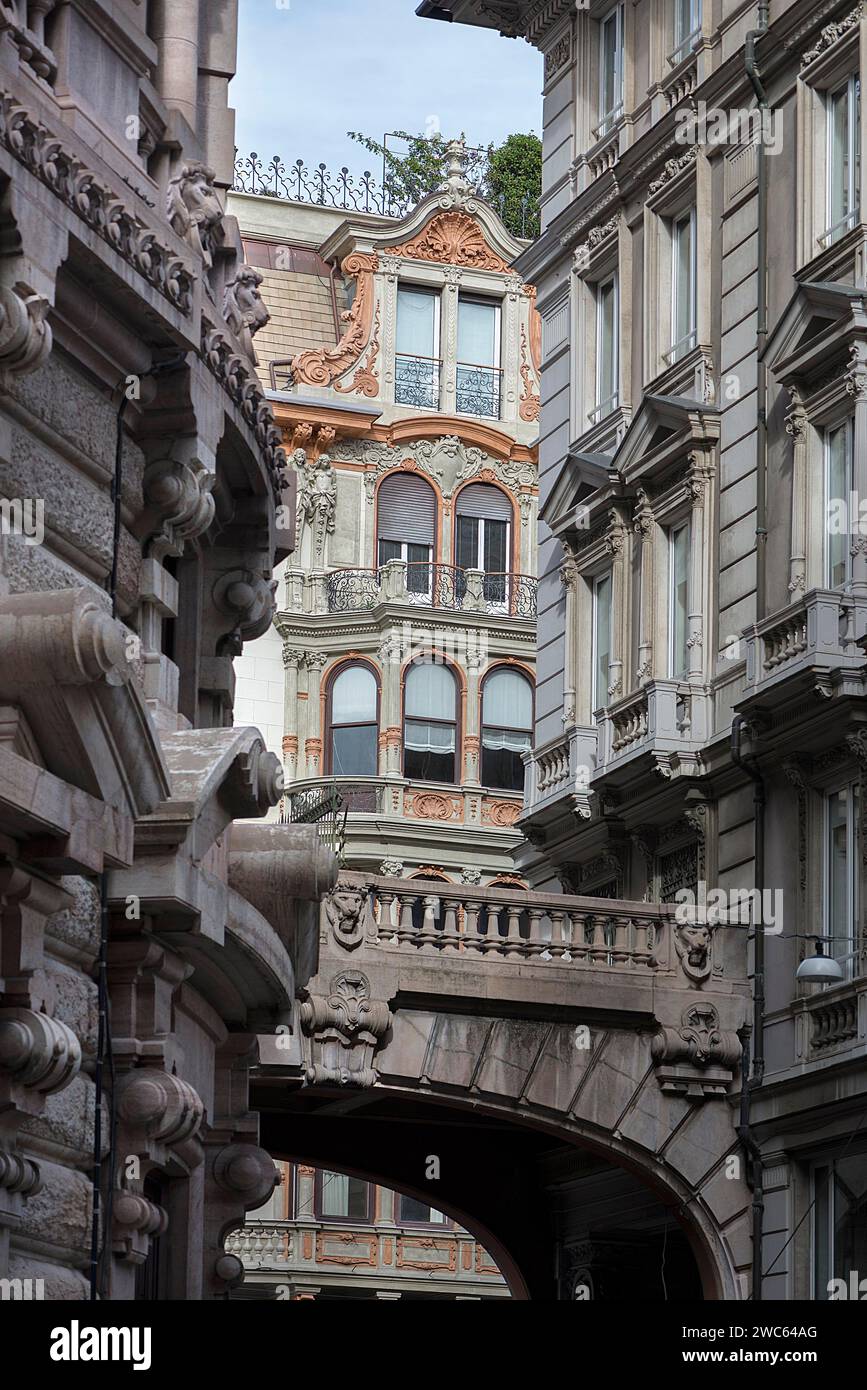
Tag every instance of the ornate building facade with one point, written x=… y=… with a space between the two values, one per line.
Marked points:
x=701 y=277
x=397 y=682
x=144 y=499
x=328 y=1236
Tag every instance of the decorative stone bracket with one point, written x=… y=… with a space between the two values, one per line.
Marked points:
x=161 y=1115
x=343 y=1032
x=698 y=1059
x=37 y=1053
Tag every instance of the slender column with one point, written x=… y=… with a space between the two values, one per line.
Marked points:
x=313 y=742
x=472 y=726
x=449 y=341
x=292 y=661
x=569 y=580
x=699 y=482
x=615 y=544
x=176 y=32
x=389 y=709
x=643 y=526
x=390 y=266
x=796 y=426
x=856 y=385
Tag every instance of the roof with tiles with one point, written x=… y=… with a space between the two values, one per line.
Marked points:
x=296 y=288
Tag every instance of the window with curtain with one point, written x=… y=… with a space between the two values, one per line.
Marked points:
x=478 y=376
x=844 y=158
x=483 y=523
x=430 y=723
x=339 y=1197
x=839 y=485
x=507 y=724
x=601 y=640
x=683 y=268
x=842 y=814
x=610 y=70
x=678 y=599
x=406 y=527
x=417 y=367
x=353 y=724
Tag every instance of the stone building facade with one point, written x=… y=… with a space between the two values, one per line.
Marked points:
x=328 y=1236
x=144 y=499
x=397 y=680
x=701 y=278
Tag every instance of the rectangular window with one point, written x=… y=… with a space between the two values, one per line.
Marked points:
x=417 y=365
x=839 y=1226
x=416 y=1212
x=844 y=159
x=610 y=70
x=839 y=481
x=842 y=817
x=342 y=1198
x=683 y=277
x=478 y=367
x=607 y=348
x=601 y=640
x=687 y=27
x=678 y=600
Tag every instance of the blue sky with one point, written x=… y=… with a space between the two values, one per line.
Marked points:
x=310 y=70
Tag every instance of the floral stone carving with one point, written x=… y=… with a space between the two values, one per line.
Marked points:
x=452 y=238
x=698 y=1059
x=344 y=1031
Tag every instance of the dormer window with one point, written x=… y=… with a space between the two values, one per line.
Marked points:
x=417 y=348
x=478 y=366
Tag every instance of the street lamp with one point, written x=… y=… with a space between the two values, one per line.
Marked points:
x=821 y=969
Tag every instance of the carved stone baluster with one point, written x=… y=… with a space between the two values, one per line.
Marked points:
x=406 y=931
x=386 y=927
x=559 y=946
x=537 y=945
x=492 y=937
x=641 y=947
x=514 y=943
x=471 y=939
x=621 y=941
x=450 y=935
x=429 y=938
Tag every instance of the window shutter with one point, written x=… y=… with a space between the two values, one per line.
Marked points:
x=406 y=510
x=483 y=500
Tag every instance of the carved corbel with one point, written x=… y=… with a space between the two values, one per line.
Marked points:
x=159 y=1116
x=135 y=1221
x=194 y=209
x=247 y=598
x=343 y=1032
x=182 y=496
x=37 y=1054
x=256 y=777
x=58 y=638
x=25 y=337
x=698 y=1059
x=243 y=307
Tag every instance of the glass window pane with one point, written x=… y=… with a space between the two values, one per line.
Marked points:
x=494 y=558
x=477 y=333
x=430 y=692
x=601 y=640
x=467 y=550
x=389 y=550
x=353 y=751
x=821 y=1232
x=606 y=374
x=839 y=870
x=508 y=701
x=850 y=1215
x=838 y=172
x=610 y=85
x=429 y=752
x=344 y=1196
x=416 y=319
x=353 y=696
x=683 y=262
x=679 y=599
x=839 y=484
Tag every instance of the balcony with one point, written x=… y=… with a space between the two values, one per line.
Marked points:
x=478 y=390
x=417 y=381
x=561 y=768
x=805 y=645
x=328 y=801
x=666 y=721
x=429 y=586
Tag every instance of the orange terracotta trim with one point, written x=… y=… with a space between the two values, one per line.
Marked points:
x=322 y=366
x=535 y=329
x=530 y=405
x=486 y=437
x=452 y=238
x=365 y=382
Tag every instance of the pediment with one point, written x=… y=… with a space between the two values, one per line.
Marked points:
x=662 y=430
x=819 y=322
x=582 y=476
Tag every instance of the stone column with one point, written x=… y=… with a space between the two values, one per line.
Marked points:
x=449 y=340
x=314 y=661
x=472 y=722
x=796 y=426
x=856 y=386
x=699 y=485
x=643 y=527
x=615 y=542
x=176 y=32
x=292 y=661
x=569 y=580
x=390 y=707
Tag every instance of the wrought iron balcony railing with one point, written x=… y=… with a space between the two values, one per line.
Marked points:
x=299 y=184
x=433 y=586
x=478 y=390
x=417 y=381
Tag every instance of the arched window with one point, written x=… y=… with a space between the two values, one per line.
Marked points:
x=353 y=697
x=483 y=525
x=507 y=723
x=430 y=723
x=406 y=527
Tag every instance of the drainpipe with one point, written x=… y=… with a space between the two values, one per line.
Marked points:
x=752 y=1076
x=752 y=71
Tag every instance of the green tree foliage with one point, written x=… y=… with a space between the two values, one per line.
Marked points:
x=508 y=176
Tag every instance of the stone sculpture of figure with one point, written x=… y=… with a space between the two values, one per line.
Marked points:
x=243 y=307
x=194 y=208
x=317 y=493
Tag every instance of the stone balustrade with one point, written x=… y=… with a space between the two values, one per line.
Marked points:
x=812 y=639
